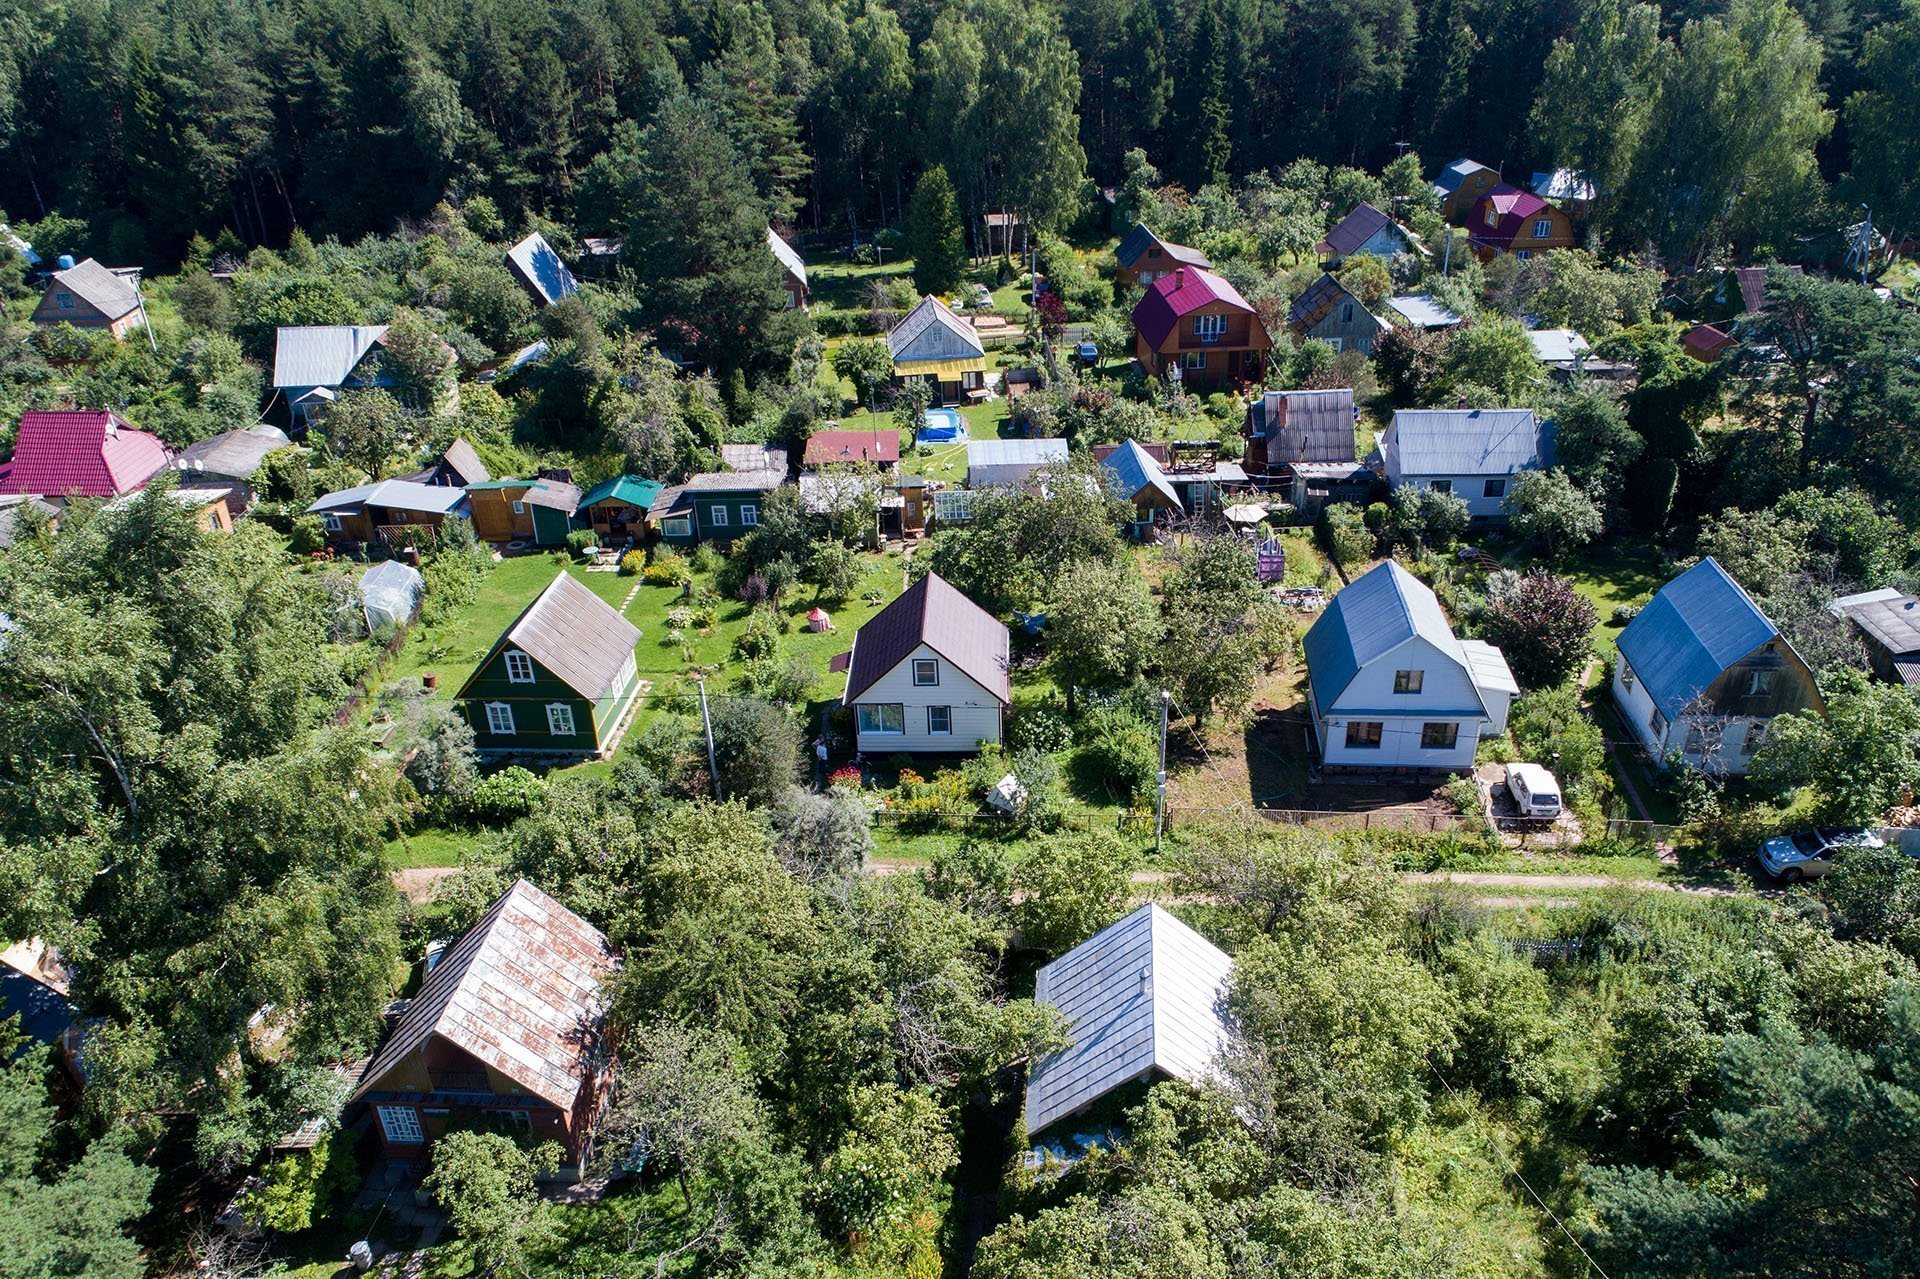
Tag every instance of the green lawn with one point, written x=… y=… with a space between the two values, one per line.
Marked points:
x=1621 y=570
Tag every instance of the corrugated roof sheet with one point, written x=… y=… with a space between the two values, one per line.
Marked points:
x=1136 y=474
x=105 y=290
x=1705 y=338
x=402 y=495
x=630 y=489
x=1141 y=996
x=80 y=453
x=1563 y=184
x=1383 y=609
x=462 y=465
x=1488 y=666
x=930 y=313
x=932 y=612
x=754 y=457
x=1421 y=310
x=1040 y=452
x=1468 y=441
x=1171 y=298
x=788 y=255
x=1454 y=174
x=1514 y=208
x=522 y=992
x=824 y=447
x=1752 y=281
x=534 y=261
x=320 y=354
x=1140 y=239
x=1319 y=300
x=235 y=453
x=1306 y=426
x=1695 y=627
x=1557 y=346
x=1893 y=624
x=577 y=636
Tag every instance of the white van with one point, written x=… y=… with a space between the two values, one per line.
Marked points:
x=1535 y=793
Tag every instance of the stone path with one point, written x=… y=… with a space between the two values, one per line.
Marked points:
x=630 y=594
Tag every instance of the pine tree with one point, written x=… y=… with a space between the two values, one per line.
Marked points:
x=933 y=234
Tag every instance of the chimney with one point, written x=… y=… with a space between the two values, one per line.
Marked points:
x=1180 y=277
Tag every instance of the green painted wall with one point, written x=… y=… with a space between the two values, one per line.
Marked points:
x=593 y=721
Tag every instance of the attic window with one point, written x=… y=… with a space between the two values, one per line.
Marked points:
x=64 y=301
x=1759 y=683
x=1542 y=228
x=1493 y=217
x=519 y=668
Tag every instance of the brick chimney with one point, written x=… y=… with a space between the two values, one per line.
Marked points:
x=1179 y=278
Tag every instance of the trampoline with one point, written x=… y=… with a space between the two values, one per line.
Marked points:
x=941 y=426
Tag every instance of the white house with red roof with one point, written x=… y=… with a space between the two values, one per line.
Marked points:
x=929 y=673
x=68 y=453
x=1195 y=327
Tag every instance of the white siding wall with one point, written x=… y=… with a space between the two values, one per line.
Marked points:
x=1446 y=695
x=976 y=712
x=1636 y=708
x=1739 y=735
x=1470 y=489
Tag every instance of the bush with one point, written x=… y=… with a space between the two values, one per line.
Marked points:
x=300 y=1187
x=582 y=541
x=632 y=562
x=1344 y=529
x=758 y=748
x=761 y=639
x=669 y=568
x=1541 y=624
x=1624 y=613
x=1039 y=728
x=309 y=535
x=1124 y=750
x=501 y=799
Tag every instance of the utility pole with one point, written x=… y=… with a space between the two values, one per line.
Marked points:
x=713 y=765
x=1160 y=781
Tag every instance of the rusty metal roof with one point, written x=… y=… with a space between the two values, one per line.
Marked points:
x=575 y=635
x=521 y=993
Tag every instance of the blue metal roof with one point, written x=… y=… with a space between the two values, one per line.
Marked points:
x=1369 y=619
x=1697 y=626
x=1134 y=471
x=1468 y=441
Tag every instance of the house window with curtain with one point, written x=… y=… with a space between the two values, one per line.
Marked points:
x=1495 y=488
x=750 y=516
x=500 y=719
x=1408 y=681
x=560 y=719
x=519 y=667
x=884 y=717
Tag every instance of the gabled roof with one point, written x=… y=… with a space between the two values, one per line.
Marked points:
x=1563 y=184
x=80 y=453
x=1557 y=346
x=630 y=489
x=1142 y=996
x=106 y=291
x=931 y=313
x=235 y=453
x=400 y=495
x=1514 y=208
x=1383 y=609
x=1140 y=239
x=1693 y=628
x=1172 y=298
x=1894 y=624
x=824 y=447
x=1468 y=441
x=1136 y=473
x=320 y=354
x=1306 y=426
x=577 y=636
x=21 y=247
x=1454 y=174
x=754 y=457
x=1752 y=281
x=932 y=612
x=1361 y=225
x=1706 y=339
x=557 y=495
x=1420 y=310
x=540 y=269
x=1017 y=452
x=522 y=992
x=1319 y=300
x=788 y=255
x=462 y=464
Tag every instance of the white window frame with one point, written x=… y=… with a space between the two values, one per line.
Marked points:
x=519 y=667
x=63 y=300
x=560 y=719
x=519 y=508
x=1194 y=359
x=1209 y=326
x=500 y=719
x=676 y=526
x=1432 y=724
x=749 y=516
x=931 y=662
x=1441 y=486
x=872 y=717
x=1526 y=255
x=947 y=712
x=1336 y=344
x=717 y=516
x=401 y=1125
x=1542 y=228
x=330 y=521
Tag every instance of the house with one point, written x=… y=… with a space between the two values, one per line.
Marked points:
x=91 y=296
x=1006 y=235
x=875 y=448
x=716 y=506
x=1706 y=343
x=1509 y=220
x=1144 y=1000
x=929 y=672
x=1303 y=443
x=1562 y=349
x=1568 y=188
x=793 y=271
x=1889 y=621
x=1144 y=257
x=559 y=680
x=1702 y=672
x=1472 y=453
x=508 y=1031
x=209 y=506
x=1192 y=326
x=1334 y=314
x=932 y=342
x=392 y=511
x=832 y=496
x=230 y=459
x=458 y=467
x=18 y=511
x=997 y=462
x=1137 y=478
x=1389 y=685
x=314 y=363
x=1742 y=290
x=617 y=508
x=1422 y=312
x=1367 y=230
x=60 y=454
x=1460 y=186
x=538 y=512
x=540 y=271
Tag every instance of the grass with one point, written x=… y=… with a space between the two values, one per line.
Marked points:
x=433 y=846
x=1611 y=573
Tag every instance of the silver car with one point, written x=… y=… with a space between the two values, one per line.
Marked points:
x=1809 y=854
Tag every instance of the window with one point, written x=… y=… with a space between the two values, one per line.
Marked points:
x=1495 y=488
x=1493 y=217
x=402 y=1125
x=519 y=508
x=1438 y=737
x=1336 y=344
x=1346 y=313
x=398 y=517
x=1526 y=255
x=1407 y=681
x=519 y=667
x=64 y=301
x=331 y=521
x=500 y=719
x=884 y=718
x=1659 y=726
x=1209 y=326
x=750 y=516
x=677 y=526
x=940 y=720
x=1626 y=678
x=560 y=719
x=1542 y=228
x=1195 y=359
x=1759 y=683
x=1363 y=735
x=1441 y=486
x=516 y=1119
x=926 y=672
x=717 y=516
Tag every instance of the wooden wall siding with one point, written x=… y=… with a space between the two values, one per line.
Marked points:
x=449 y=1089
x=493 y=517
x=82 y=314
x=734 y=504
x=1790 y=685
x=1357 y=334
x=592 y=720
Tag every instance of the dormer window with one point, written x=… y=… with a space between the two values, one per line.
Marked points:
x=1493 y=216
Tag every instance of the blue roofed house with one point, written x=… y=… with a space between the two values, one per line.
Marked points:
x=540 y=271
x=1137 y=477
x=314 y=363
x=1702 y=672
x=1475 y=454
x=1390 y=686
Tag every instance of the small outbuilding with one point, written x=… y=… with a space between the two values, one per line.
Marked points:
x=90 y=296
x=1000 y=462
x=539 y=512
x=616 y=509
x=390 y=594
x=1368 y=230
x=540 y=271
x=391 y=511
x=1138 y=478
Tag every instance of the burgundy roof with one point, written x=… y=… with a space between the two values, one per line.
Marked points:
x=1704 y=337
x=81 y=453
x=852 y=446
x=932 y=612
x=1514 y=206
x=1171 y=298
x=1753 y=285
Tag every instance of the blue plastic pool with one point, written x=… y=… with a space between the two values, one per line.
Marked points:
x=941 y=426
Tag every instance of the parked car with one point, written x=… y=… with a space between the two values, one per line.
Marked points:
x=1535 y=792
x=1808 y=854
x=1087 y=353
x=978 y=295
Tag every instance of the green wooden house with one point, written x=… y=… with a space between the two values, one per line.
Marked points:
x=720 y=506
x=560 y=681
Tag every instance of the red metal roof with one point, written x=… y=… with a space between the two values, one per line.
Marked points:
x=81 y=453
x=1171 y=298
x=932 y=612
x=1513 y=205
x=824 y=447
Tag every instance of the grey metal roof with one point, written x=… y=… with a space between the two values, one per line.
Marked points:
x=1307 y=426
x=541 y=269
x=1893 y=624
x=403 y=495
x=320 y=354
x=106 y=291
x=931 y=314
x=1693 y=629
x=1420 y=310
x=754 y=457
x=1557 y=346
x=233 y=453
x=1468 y=441
x=1454 y=174
x=1562 y=184
x=1383 y=609
x=1141 y=997
x=575 y=635
x=1135 y=473
x=788 y=255
x=1015 y=452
